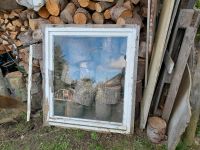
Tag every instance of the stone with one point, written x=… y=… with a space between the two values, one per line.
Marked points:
x=17 y=85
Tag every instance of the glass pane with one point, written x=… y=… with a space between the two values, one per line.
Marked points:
x=89 y=77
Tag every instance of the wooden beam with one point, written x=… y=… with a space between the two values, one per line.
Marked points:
x=157 y=59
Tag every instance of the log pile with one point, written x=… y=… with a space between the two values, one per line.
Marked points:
x=22 y=27
x=95 y=11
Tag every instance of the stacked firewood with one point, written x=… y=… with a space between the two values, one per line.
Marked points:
x=95 y=11
x=12 y=24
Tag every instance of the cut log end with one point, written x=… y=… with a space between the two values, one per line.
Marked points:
x=43 y=12
x=80 y=18
x=53 y=7
x=84 y=3
x=98 y=18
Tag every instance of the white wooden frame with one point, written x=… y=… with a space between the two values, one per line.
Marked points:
x=132 y=34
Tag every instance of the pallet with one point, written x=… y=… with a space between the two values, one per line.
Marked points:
x=183 y=21
x=179 y=52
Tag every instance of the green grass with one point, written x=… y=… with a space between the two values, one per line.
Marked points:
x=94 y=136
x=197 y=5
x=198 y=130
x=60 y=143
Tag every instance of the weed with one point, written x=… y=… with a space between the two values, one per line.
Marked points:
x=197 y=5
x=94 y=136
x=79 y=134
x=181 y=146
x=60 y=143
x=198 y=130
x=142 y=143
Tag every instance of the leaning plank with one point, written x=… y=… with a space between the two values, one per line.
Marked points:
x=29 y=82
x=157 y=59
x=182 y=112
x=195 y=103
x=147 y=42
x=179 y=70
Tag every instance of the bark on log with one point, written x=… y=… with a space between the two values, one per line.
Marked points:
x=128 y=5
x=107 y=14
x=101 y=6
x=76 y=3
x=120 y=11
x=156 y=129
x=68 y=13
x=55 y=20
x=128 y=20
x=63 y=4
x=135 y=1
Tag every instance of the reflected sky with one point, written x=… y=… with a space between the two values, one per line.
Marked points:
x=97 y=58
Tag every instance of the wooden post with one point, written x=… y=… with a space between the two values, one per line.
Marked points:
x=157 y=59
x=29 y=82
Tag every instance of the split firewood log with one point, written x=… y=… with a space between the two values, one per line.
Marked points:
x=98 y=18
x=111 y=1
x=37 y=23
x=43 y=12
x=17 y=23
x=107 y=14
x=128 y=5
x=63 y=4
x=120 y=11
x=55 y=20
x=81 y=16
x=53 y=7
x=92 y=5
x=135 y=1
x=136 y=19
x=68 y=13
x=76 y=3
x=101 y=6
x=84 y=3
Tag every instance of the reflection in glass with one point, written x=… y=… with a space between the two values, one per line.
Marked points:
x=89 y=77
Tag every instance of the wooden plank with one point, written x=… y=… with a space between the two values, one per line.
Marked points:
x=172 y=23
x=157 y=59
x=191 y=4
x=147 y=42
x=179 y=70
x=182 y=112
x=184 y=20
x=195 y=104
x=29 y=82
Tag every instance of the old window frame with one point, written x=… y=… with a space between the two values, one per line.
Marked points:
x=132 y=34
